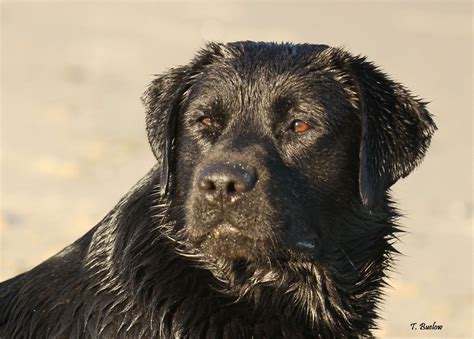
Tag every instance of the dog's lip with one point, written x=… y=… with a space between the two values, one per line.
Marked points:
x=224 y=229
x=307 y=244
x=305 y=238
x=218 y=231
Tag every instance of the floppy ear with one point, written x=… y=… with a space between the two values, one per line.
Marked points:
x=162 y=101
x=396 y=129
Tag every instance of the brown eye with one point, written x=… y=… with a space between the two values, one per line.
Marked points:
x=206 y=121
x=300 y=126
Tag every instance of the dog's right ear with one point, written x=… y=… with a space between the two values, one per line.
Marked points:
x=163 y=99
x=162 y=102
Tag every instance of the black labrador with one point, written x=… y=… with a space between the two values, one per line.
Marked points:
x=267 y=215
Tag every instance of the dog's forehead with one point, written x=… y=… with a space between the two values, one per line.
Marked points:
x=255 y=61
x=265 y=78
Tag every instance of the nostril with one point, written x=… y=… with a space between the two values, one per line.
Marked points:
x=207 y=185
x=231 y=187
x=239 y=186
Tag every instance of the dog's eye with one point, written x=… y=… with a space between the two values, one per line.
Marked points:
x=206 y=121
x=300 y=126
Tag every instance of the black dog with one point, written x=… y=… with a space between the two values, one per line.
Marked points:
x=266 y=216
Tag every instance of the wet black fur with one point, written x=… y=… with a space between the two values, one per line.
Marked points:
x=152 y=268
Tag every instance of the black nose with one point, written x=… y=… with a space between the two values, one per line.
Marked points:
x=225 y=182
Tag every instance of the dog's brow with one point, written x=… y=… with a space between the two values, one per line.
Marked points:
x=283 y=104
x=202 y=101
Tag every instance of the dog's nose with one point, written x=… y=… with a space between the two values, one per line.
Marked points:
x=225 y=182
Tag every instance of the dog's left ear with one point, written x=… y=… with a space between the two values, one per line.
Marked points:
x=162 y=101
x=396 y=128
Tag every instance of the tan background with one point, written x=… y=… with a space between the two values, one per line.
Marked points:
x=73 y=137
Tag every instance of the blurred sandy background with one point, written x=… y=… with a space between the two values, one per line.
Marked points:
x=73 y=136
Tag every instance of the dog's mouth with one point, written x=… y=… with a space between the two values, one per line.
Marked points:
x=220 y=232
x=225 y=230
x=224 y=239
x=230 y=241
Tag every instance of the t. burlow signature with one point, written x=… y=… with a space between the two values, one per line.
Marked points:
x=426 y=327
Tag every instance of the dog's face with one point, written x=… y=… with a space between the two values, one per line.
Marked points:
x=267 y=147
x=263 y=155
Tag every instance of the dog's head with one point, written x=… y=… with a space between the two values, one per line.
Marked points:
x=269 y=145
x=275 y=161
